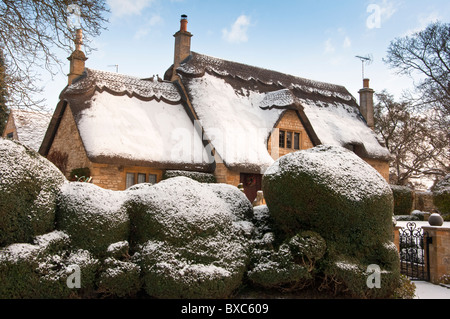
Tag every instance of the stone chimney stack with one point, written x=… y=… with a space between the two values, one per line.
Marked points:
x=182 y=44
x=77 y=58
x=366 y=103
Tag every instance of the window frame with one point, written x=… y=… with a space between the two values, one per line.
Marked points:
x=284 y=143
x=136 y=178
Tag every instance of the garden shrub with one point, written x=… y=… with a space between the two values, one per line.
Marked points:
x=196 y=176
x=277 y=269
x=28 y=187
x=41 y=270
x=119 y=275
x=119 y=278
x=350 y=277
x=403 y=199
x=291 y=266
x=406 y=290
x=441 y=195
x=93 y=217
x=334 y=193
x=188 y=242
x=417 y=215
x=331 y=191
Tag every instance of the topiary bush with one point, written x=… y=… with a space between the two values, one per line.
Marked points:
x=403 y=199
x=332 y=192
x=93 y=217
x=119 y=274
x=188 y=242
x=196 y=176
x=441 y=195
x=41 y=270
x=28 y=187
x=291 y=266
x=406 y=290
x=119 y=279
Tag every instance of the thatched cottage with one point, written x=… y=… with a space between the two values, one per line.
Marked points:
x=27 y=126
x=206 y=115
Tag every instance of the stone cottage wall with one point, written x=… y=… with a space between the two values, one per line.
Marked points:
x=10 y=128
x=68 y=141
x=289 y=122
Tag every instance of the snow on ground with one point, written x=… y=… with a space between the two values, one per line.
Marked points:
x=427 y=290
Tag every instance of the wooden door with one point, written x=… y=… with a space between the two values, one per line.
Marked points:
x=252 y=184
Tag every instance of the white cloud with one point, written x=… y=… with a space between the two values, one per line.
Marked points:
x=380 y=13
x=424 y=21
x=388 y=8
x=239 y=30
x=347 y=42
x=145 y=29
x=120 y=8
x=329 y=47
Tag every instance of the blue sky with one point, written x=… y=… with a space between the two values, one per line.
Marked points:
x=313 y=39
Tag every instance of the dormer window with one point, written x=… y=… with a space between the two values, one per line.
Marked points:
x=289 y=140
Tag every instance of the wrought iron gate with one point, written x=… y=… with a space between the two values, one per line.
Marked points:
x=414 y=252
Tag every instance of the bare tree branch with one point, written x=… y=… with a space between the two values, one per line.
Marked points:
x=417 y=141
x=31 y=34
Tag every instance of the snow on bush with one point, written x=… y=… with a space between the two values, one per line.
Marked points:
x=41 y=269
x=189 y=241
x=196 y=176
x=93 y=217
x=291 y=265
x=332 y=192
x=286 y=265
x=441 y=195
x=28 y=187
x=119 y=278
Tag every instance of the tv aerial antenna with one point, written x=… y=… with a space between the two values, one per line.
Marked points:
x=365 y=60
x=116 y=66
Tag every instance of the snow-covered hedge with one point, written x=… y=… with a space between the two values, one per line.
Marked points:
x=403 y=199
x=328 y=215
x=41 y=269
x=332 y=192
x=28 y=187
x=441 y=195
x=93 y=217
x=196 y=176
x=291 y=265
x=192 y=239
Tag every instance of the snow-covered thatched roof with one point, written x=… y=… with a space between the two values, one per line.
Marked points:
x=239 y=105
x=150 y=122
x=30 y=126
x=126 y=120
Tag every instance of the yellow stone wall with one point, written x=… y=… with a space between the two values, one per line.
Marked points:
x=68 y=141
x=289 y=122
x=10 y=128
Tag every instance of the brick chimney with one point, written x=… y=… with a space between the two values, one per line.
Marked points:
x=77 y=58
x=182 y=45
x=366 y=103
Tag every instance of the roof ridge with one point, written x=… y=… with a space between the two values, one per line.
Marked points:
x=122 y=84
x=223 y=67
